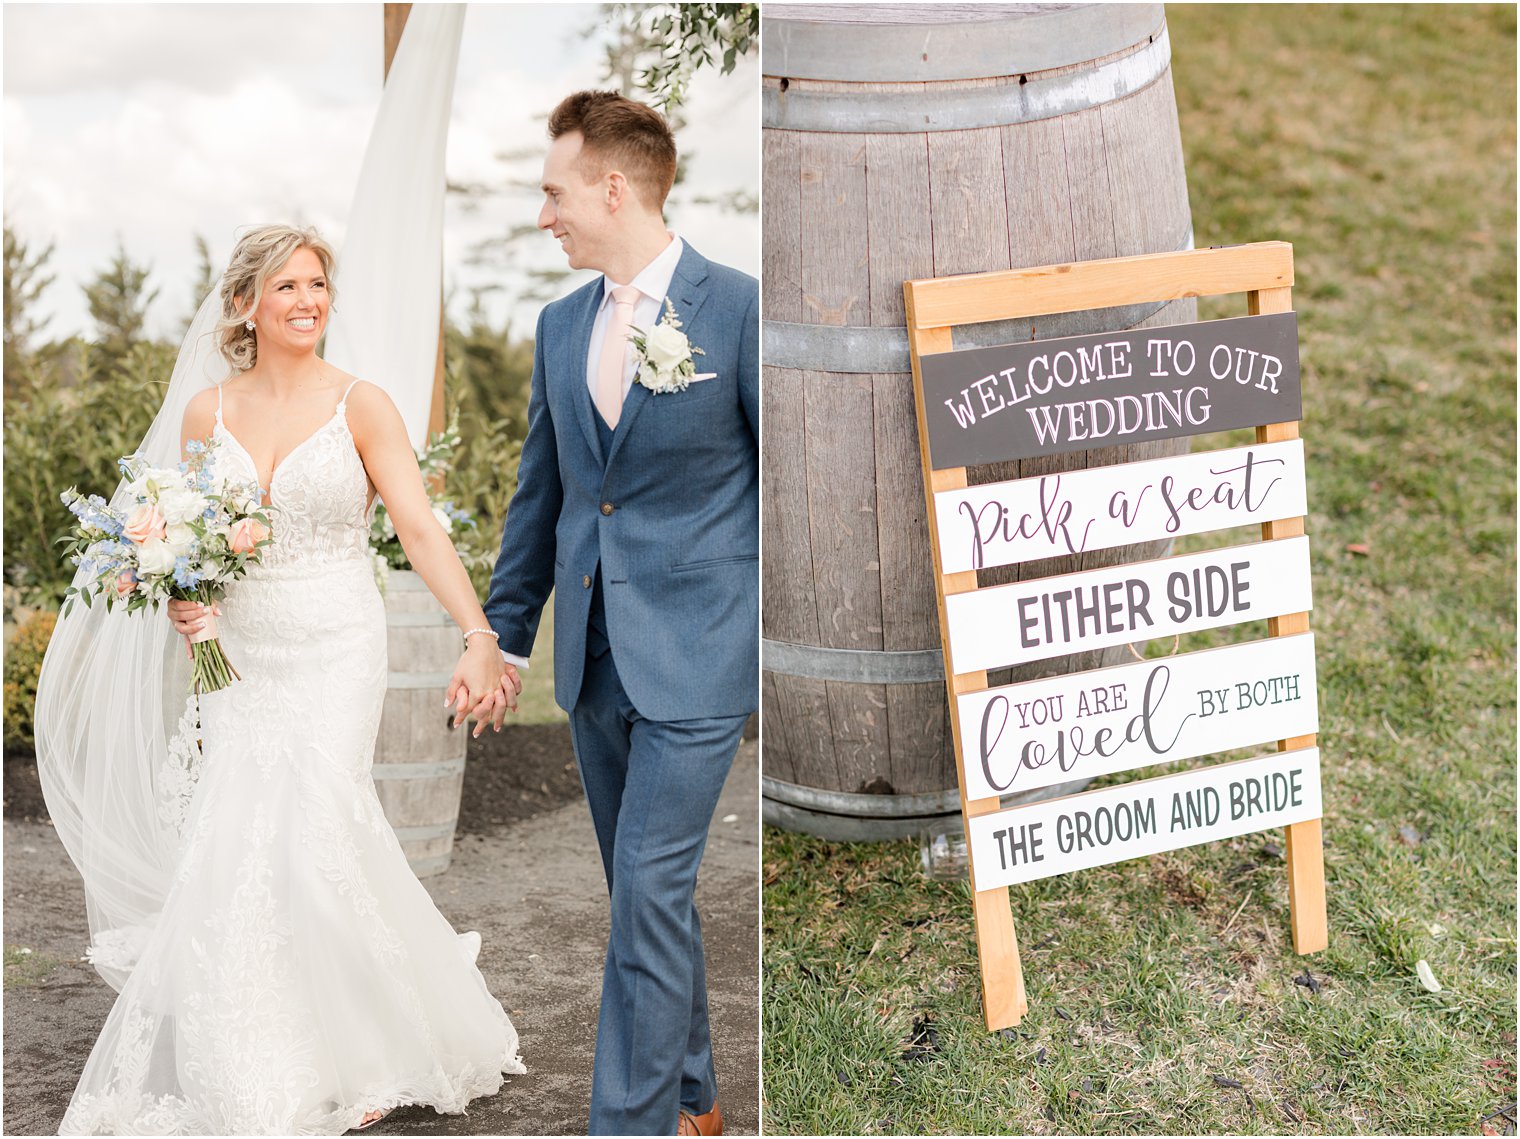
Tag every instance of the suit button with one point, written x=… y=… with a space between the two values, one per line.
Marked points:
x=608 y=508
x=586 y=581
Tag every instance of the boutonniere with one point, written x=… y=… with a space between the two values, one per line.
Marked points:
x=664 y=354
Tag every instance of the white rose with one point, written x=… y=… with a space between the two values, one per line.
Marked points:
x=666 y=347
x=155 y=480
x=180 y=504
x=155 y=558
x=443 y=519
x=179 y=539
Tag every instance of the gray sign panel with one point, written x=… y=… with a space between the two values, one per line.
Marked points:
x=1045 y=397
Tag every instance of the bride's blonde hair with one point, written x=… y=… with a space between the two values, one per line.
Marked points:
x=260 y=253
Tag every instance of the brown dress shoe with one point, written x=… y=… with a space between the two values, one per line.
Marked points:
x=709 y=1124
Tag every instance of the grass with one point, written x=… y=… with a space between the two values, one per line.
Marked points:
x=25 y=967
x=1164 y=994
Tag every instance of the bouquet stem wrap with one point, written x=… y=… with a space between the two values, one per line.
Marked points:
x=211 y=671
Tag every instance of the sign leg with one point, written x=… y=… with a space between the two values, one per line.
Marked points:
x=1306 y=887
x=1003 y=999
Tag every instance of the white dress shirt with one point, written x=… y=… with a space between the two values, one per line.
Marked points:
x=652 y=282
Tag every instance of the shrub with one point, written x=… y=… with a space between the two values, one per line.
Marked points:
x=68 y=418
x=23 y=663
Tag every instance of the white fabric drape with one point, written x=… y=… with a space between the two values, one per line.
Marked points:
x=385 y=326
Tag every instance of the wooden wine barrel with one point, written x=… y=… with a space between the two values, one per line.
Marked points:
x=900 y=142
x=419 y=761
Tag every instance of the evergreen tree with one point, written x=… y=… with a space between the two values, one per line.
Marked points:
x=119 y=300
x=205 y=281
x=24 y=284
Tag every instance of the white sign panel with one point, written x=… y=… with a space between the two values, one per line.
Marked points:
x=1021 y=737
x=1054 y=616
x=1056 y=515
x=1096 y=828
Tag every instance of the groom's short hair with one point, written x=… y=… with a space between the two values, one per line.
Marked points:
x=620 y=134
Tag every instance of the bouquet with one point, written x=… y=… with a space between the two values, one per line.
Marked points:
x=435 y=461
x=181 y=534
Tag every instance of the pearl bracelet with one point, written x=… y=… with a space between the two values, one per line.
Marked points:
x=488 y=632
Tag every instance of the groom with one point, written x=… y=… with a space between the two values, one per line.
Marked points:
x=637 y=504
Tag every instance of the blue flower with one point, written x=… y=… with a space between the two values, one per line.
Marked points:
x=195 y=447
x=184 y=576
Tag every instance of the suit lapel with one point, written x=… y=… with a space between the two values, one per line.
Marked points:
x=580 y=345
x=687 y=293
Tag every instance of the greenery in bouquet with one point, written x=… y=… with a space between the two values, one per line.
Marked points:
x=436 y=461
x=181 y=533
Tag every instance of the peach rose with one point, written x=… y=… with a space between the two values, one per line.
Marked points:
x=245 y=534
x=126 y=582
x=145 y=524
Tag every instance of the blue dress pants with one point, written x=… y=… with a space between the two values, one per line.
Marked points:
x=652 y=788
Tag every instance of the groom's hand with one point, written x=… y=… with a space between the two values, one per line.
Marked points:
x=511 y=687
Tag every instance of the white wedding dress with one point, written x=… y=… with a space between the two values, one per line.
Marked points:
x=298 y=975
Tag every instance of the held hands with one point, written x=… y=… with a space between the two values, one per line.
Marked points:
x=483 y=687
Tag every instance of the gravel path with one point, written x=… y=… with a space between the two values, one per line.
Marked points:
x=534 y=890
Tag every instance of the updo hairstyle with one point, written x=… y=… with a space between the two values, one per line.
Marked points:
x=258 y=255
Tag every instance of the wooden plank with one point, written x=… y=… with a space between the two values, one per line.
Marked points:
x=778 y=757
x=1039 y=224
x=834 y=274
x=1120 y=505
x=966 y=185
x=901 y=246
x=1077 y=286
x=800 y=732
x=800 y=705
x=917 y=735
x=1304 y=842
x=781 y=220
x=1144 y=817
x=968 y=177
x=786 y=570
x=795 y=750
x=1004 y=1001
x=1122 y=604
x=1092 y=204
x=1144 y=170
x=841 y=463
x=841 y=513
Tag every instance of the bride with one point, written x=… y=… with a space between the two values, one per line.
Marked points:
x=281 y=970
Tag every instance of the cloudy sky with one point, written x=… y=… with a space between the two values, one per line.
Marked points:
x=151 y=123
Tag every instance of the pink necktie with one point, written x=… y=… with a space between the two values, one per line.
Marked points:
x=609 y=370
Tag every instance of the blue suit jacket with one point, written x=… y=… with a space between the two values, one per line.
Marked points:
x=678 y=551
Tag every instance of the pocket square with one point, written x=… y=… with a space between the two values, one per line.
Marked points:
x=700 y=376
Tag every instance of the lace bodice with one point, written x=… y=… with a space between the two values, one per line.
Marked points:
x=317 y=493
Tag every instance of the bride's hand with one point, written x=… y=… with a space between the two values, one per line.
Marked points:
x=189 y=617
x=511 y=685
x=475 y=686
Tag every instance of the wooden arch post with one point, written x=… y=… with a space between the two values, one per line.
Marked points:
x=395 y=24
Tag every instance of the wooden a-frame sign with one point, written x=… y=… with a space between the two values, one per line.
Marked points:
x=1265 y=791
